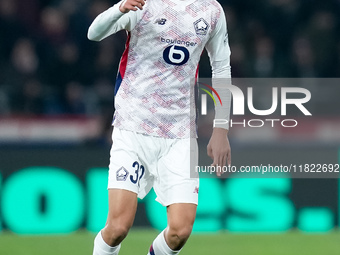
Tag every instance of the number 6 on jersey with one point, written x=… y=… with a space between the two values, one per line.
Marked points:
x=176 y=55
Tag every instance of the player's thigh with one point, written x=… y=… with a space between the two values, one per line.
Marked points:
x=128 y=168
x=176 y=180
x=122 y=208
x=181 y=218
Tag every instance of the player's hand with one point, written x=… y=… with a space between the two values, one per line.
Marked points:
x=219 y=149
x=131 y=5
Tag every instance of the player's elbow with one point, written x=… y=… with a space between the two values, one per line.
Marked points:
x=223 y=71
x=92 y=35
x=221 y=68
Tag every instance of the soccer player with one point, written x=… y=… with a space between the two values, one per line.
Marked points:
x=154 y=96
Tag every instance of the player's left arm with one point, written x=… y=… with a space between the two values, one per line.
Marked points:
x=219 y=53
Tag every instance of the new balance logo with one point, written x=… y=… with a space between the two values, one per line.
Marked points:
x=160 y=21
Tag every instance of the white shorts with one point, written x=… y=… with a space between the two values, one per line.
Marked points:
x=139 y=162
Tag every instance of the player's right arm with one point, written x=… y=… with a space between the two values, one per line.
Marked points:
x=123 y=15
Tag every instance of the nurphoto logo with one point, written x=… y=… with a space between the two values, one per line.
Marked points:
x=300 y=97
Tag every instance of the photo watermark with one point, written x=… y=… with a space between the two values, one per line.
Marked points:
x=278 y=127
x=238 y=104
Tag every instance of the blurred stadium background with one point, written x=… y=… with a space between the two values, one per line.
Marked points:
x=56 y=105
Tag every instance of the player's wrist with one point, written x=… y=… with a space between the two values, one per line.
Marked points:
x=220 y=131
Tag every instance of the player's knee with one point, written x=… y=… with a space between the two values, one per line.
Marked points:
x=181 y=233
x=184 y=233
x=120 y=230
x=116 y=232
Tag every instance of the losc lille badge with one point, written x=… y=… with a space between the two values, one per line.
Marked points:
x=201 y=26
x=122 y=174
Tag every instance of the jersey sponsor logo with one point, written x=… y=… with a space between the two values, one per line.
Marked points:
x=176 y=55
x=160 y=21
x=177 y=41
x=201 y=26
x=196 y=190
x=122 y=174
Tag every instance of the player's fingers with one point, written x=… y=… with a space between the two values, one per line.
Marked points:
x=130 y=7
x=229 y=158
x=221 y=163
x=217 y=169
x=209 y=152
x=140 y=6
x=224 y=160
x=218 y=172
x=216 y=164
x=138 y=3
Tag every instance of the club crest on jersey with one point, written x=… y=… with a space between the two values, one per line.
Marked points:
x=160 y=21
x=122 y=174
x=201 y=26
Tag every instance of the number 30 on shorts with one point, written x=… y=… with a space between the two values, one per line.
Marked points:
x=138 y=174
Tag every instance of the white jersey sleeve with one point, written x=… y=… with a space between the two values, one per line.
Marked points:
x=111 y=21
x=219 y=53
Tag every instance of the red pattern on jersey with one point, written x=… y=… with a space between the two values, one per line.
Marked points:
x=124 y=59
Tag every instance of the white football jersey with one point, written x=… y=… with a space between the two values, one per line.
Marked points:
x=155 y=82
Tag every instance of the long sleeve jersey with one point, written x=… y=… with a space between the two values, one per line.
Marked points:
x=154 y=90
